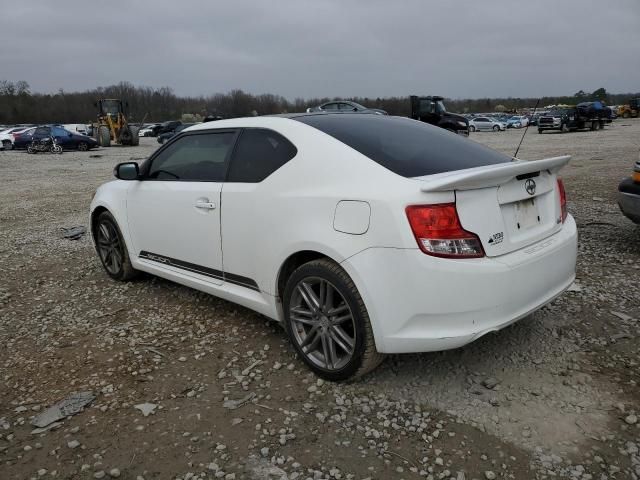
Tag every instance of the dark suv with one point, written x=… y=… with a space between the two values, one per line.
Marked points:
x=432 y=110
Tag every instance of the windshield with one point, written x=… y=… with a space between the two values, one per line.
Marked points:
x=110 y=107
x=406 y=147
x=428 y=105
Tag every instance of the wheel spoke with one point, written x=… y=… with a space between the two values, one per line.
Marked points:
x=324 y=338
x=339 y=309
x=342 y=319
x=301 y=311
x=304 y=321
x=117 y=259
x=309 y=296
x=327 y=304
x=341 y=337
x=323 y=294
x=310 y=338
x=331 y=347
x=106 y=235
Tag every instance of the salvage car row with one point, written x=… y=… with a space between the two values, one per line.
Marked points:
x=19 y=138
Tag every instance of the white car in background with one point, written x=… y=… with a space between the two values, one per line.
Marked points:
x=362 y=234
x=76 y=128
x=7 y=136
x=146 y=131
x=486 y=124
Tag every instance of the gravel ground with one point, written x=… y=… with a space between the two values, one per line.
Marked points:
x=554 y=396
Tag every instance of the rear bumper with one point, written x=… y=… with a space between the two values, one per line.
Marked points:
x=419 y=303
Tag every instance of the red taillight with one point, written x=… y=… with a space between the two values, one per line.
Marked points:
x=563 y=199
x=438 y=232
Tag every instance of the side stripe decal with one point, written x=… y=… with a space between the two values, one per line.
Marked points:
x=206 y=271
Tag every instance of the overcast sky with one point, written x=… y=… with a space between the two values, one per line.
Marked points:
x=304 y=48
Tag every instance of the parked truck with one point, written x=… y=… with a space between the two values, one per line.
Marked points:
x=591 y=115
x=431 y=110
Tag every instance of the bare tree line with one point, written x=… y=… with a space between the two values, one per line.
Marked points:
x=19 y=105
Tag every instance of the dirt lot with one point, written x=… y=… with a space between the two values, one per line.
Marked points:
x=554 y=396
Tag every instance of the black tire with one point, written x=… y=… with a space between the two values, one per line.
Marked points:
x=7 y=145
x=111 y=248
x=364 y=357
x=564 y=128
x=104 y=136
x=472 y=128
x=626 y=114
x=540 y=130
x=83 y=146
x=496 y=128
x=135 y=138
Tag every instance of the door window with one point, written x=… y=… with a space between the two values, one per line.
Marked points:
x=59 y=132
x=330 y=106
x=199 y=157
x=42 y=132
x=259 y=153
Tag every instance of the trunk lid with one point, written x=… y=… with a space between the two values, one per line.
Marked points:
x=509 y=205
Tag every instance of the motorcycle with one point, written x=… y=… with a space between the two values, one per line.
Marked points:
x=49 y=144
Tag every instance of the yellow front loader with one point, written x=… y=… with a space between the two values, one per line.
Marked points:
x=112 y=125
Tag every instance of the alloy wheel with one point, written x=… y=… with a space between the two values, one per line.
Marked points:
x=322 y=323
x=109 y=247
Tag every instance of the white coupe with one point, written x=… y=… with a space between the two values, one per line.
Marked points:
x=362 y=234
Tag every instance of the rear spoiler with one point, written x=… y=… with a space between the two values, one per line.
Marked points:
x=489 y=175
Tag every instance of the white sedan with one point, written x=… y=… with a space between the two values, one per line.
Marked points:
x=362 y=234
x=486 y=124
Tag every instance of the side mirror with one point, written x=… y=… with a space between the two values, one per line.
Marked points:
x=127 y=171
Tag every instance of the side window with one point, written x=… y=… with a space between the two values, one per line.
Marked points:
x=259 y=153
x=201 y=157
x=59 y=132
x=345 y=107
x=42 y=132
x=330 y=106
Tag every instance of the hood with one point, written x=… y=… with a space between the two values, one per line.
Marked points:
x=455 y=117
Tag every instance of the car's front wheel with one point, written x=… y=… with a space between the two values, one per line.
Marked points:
x=83 y=146
x=496 y=128
x=112 y=249
x=7 y=145
x=328 y=323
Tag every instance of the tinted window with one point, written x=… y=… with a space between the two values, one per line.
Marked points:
x=259 y=153
x=330 y=106
x=199 y=157
x=407 y=147
x=59 y=132
x=42 y=131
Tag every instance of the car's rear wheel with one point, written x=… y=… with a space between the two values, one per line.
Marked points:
x=83 y=146
x=7 y=145
x=564 y=128
x=328 y=323
x=472 y=128
x=112 y=249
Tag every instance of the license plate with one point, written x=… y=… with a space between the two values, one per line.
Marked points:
x=527 y=215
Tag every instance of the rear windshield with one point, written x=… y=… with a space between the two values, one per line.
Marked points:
x=407 y=147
